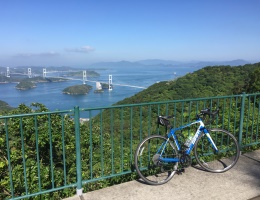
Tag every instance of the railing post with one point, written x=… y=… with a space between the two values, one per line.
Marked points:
x=242 y=110
x=78 y=152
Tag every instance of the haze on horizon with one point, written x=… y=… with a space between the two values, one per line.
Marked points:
x=65 y=33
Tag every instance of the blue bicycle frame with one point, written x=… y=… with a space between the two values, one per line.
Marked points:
x=201 y=130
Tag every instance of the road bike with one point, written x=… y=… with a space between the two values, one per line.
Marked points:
x=158 y=158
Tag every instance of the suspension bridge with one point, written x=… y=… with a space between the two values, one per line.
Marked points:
x=84 y=77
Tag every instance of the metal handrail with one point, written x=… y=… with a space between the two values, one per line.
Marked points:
x=50 y=153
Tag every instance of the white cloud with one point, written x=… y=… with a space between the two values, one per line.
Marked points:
x=83 y=49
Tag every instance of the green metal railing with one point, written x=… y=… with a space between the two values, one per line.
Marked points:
x=48 y=154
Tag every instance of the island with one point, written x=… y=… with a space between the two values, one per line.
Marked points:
x=105 y=85
x=25 y=85
x=77 y=89
x=29 y=83
x=89 y=73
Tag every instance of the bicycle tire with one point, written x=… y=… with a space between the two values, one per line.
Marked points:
x=221 y=161
x=147 y=163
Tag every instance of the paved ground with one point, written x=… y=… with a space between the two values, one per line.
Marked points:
x=241 y=182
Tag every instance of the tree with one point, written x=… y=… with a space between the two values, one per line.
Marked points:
x=36 y=142
x=254 y=81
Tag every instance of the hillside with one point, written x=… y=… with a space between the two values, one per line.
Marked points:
x=205 y=82
x=5 y=106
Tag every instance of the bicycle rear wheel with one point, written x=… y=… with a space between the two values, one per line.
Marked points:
x=147 y=163
x=221 y=161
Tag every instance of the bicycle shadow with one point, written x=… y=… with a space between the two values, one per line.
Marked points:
x=141 y=181
x=198 y=167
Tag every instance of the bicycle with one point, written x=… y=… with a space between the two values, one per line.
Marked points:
x=157 y=157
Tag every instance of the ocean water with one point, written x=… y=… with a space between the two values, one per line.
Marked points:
x=50 y=94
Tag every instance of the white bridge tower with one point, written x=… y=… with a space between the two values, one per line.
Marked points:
x=84 y=76
x=29 y=72
x=110 y=82
x=44 y=73
x=8 y=72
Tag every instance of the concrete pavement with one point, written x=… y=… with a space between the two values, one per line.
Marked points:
x=242 y=182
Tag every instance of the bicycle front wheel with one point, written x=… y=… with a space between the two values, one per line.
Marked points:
x=147 y=163
x=217 y=161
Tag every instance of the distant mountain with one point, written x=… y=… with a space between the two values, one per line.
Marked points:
x=158 y=62
x=167 y=63
x=194 y=63
x=120 y=64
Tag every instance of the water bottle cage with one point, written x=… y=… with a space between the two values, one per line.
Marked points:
x=188 y=141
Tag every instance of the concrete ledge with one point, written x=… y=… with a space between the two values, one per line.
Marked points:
x=242 y=182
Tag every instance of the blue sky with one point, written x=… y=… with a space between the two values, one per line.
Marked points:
x=80 y=32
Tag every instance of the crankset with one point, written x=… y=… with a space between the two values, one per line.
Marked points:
x=185 y=160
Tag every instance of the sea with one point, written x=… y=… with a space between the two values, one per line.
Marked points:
x=50 y=94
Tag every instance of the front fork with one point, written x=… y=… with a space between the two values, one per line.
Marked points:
x=206 y=132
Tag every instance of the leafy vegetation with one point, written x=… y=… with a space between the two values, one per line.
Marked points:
x=38 y=147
